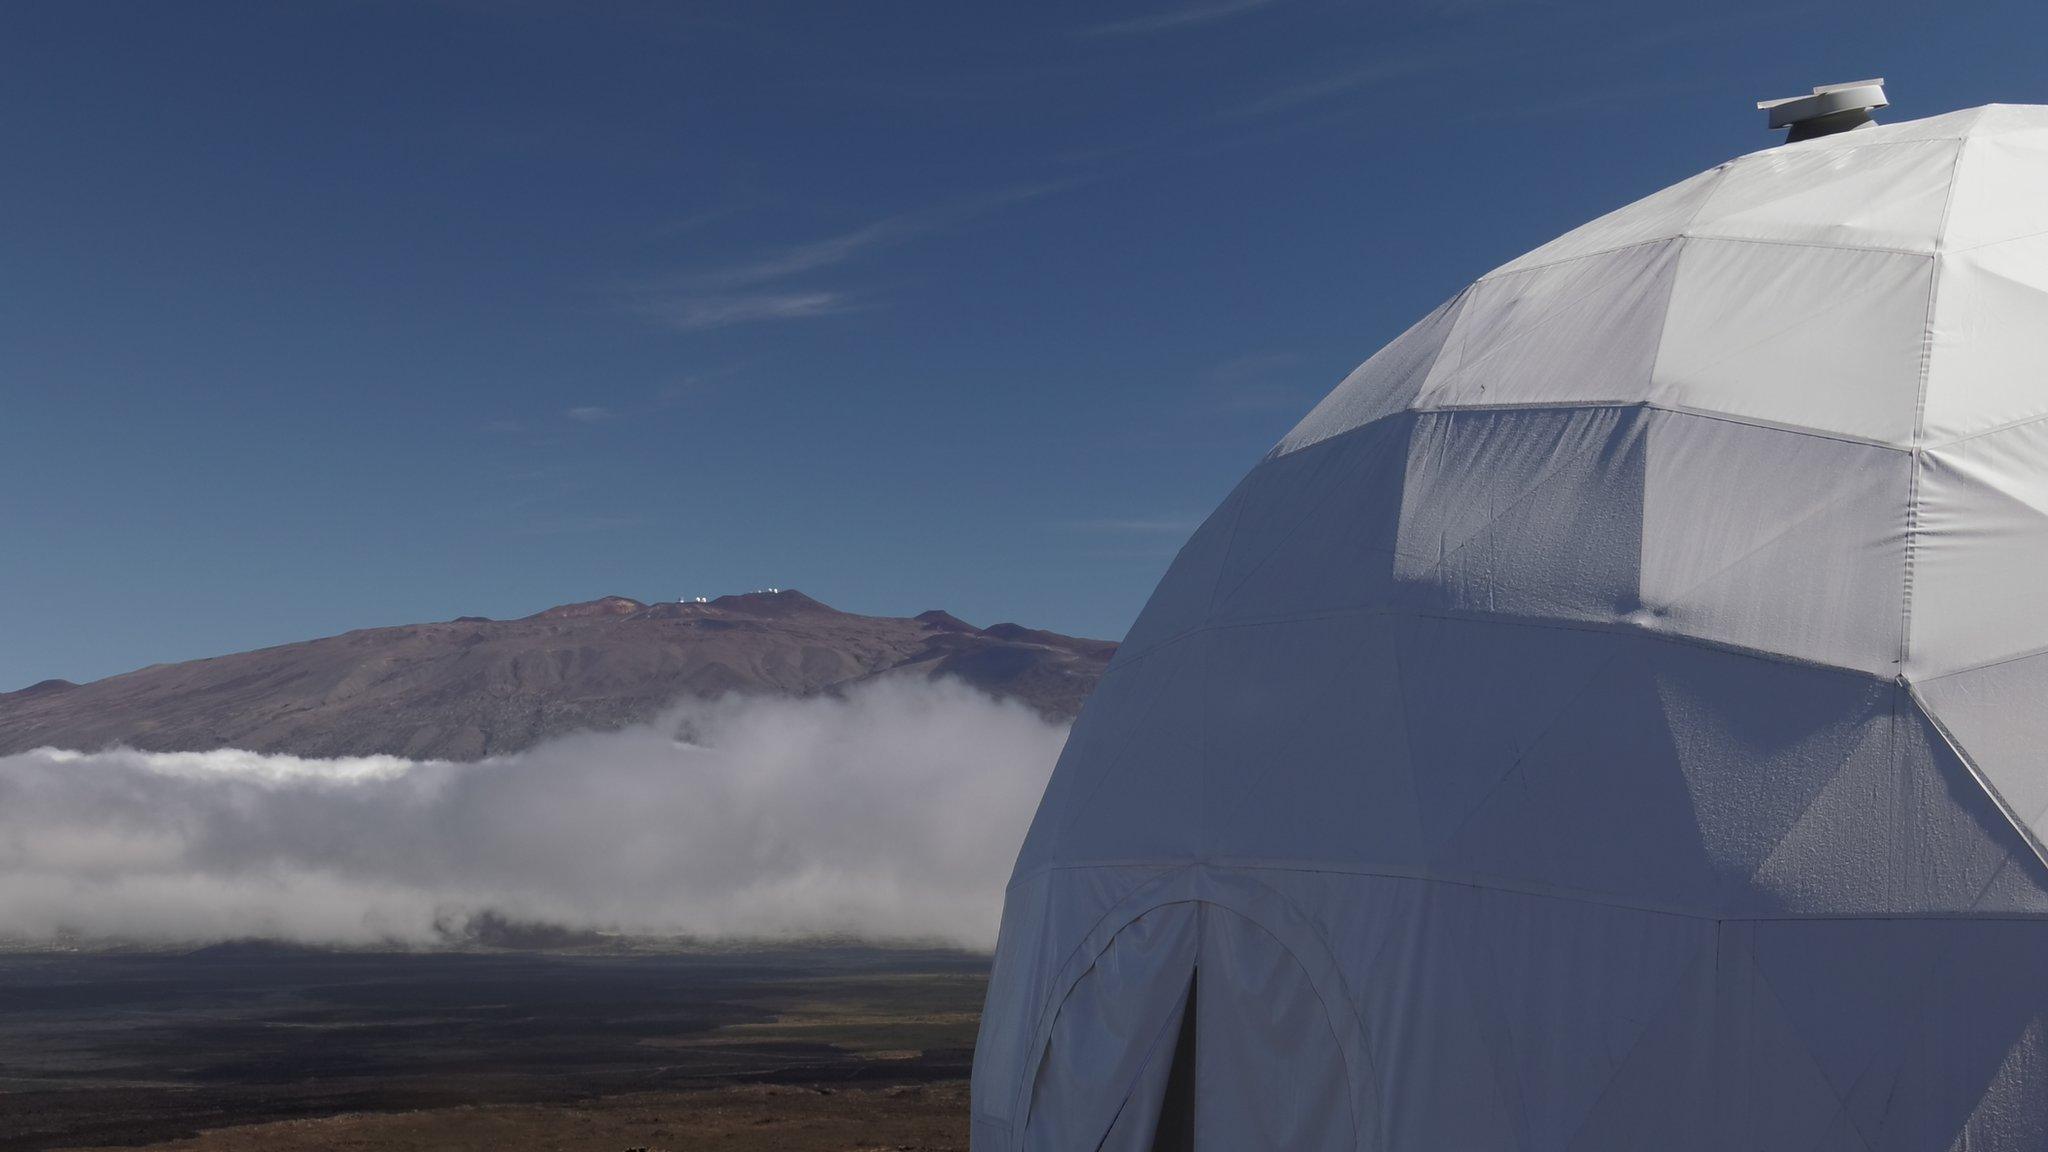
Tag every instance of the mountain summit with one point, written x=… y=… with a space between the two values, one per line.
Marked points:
x=475 y=687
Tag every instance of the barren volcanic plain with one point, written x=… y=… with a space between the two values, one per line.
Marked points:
x=251 y=1046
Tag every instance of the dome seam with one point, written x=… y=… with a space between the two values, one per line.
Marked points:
x=1919 y=436
x=1743 y=419
x=1160 y=864
x=1994 y=662
x=1622 y=628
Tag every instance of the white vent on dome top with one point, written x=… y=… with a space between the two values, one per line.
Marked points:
x=1829 y=109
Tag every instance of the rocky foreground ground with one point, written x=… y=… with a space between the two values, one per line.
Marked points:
x=746 y=1118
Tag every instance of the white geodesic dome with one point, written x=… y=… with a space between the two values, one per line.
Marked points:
x=1616 y=718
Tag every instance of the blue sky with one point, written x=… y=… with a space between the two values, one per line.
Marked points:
x=320 y=316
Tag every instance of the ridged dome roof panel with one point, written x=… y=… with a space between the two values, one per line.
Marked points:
x=1988 y=342
x=1826 y=339
x=1865 y=194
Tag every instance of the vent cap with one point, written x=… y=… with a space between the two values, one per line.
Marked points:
x=1829 y=109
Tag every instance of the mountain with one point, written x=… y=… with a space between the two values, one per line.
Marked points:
x=474 y=687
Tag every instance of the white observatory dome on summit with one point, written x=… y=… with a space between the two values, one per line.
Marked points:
x=1615 y=718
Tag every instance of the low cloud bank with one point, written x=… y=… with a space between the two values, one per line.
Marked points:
x=892 y=813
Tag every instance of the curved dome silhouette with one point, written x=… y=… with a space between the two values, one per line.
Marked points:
x=1615 y=718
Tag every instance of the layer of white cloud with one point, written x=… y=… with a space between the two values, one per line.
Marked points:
x=891 y=813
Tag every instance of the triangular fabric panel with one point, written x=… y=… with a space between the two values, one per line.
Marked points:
x=1497 y=507
x=1913 y=1021
x=1756 y=745
x=1611 y=753
x=1834 y=192
x=1327 y=720
x=1902 y=827
x=1997 y=716
x=1770 y=540
x=1296 y=506
x=2002 y=163
x=1101 y=739
x=1158 y=772
x=1662 y=1096
x=1819 y=338
x=1479 y=696
x=1984 y=362
x=1980 y=545
x=1566 y=991
x=1772 y=1094
x=1515 y=336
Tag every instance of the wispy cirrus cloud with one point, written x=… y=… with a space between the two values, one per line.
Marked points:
x=779 y=283
x=1335 y=84
x=760 y=289
x=814 y=255
x=589 y=414
x=1397 y=60
x=1181 y=17
x=695 y=312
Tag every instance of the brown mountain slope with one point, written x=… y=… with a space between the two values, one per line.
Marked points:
x=473 y=687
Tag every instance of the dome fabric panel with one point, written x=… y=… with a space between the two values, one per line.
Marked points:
x=1912 y=1021
x=2004 y=158
x=1825 y=339
x=1459 y=753
x=1988 y=347
x=1612 y=719
x=1497 y=505
x=1996 y=713
x=1980 y=548
x=1286 y=511
x=1100 y=747
x=1768 y=540
x=1328 y=721
x=1516 y=334
x=1331 y=547
x=1854 y=192
x=1903 y=828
